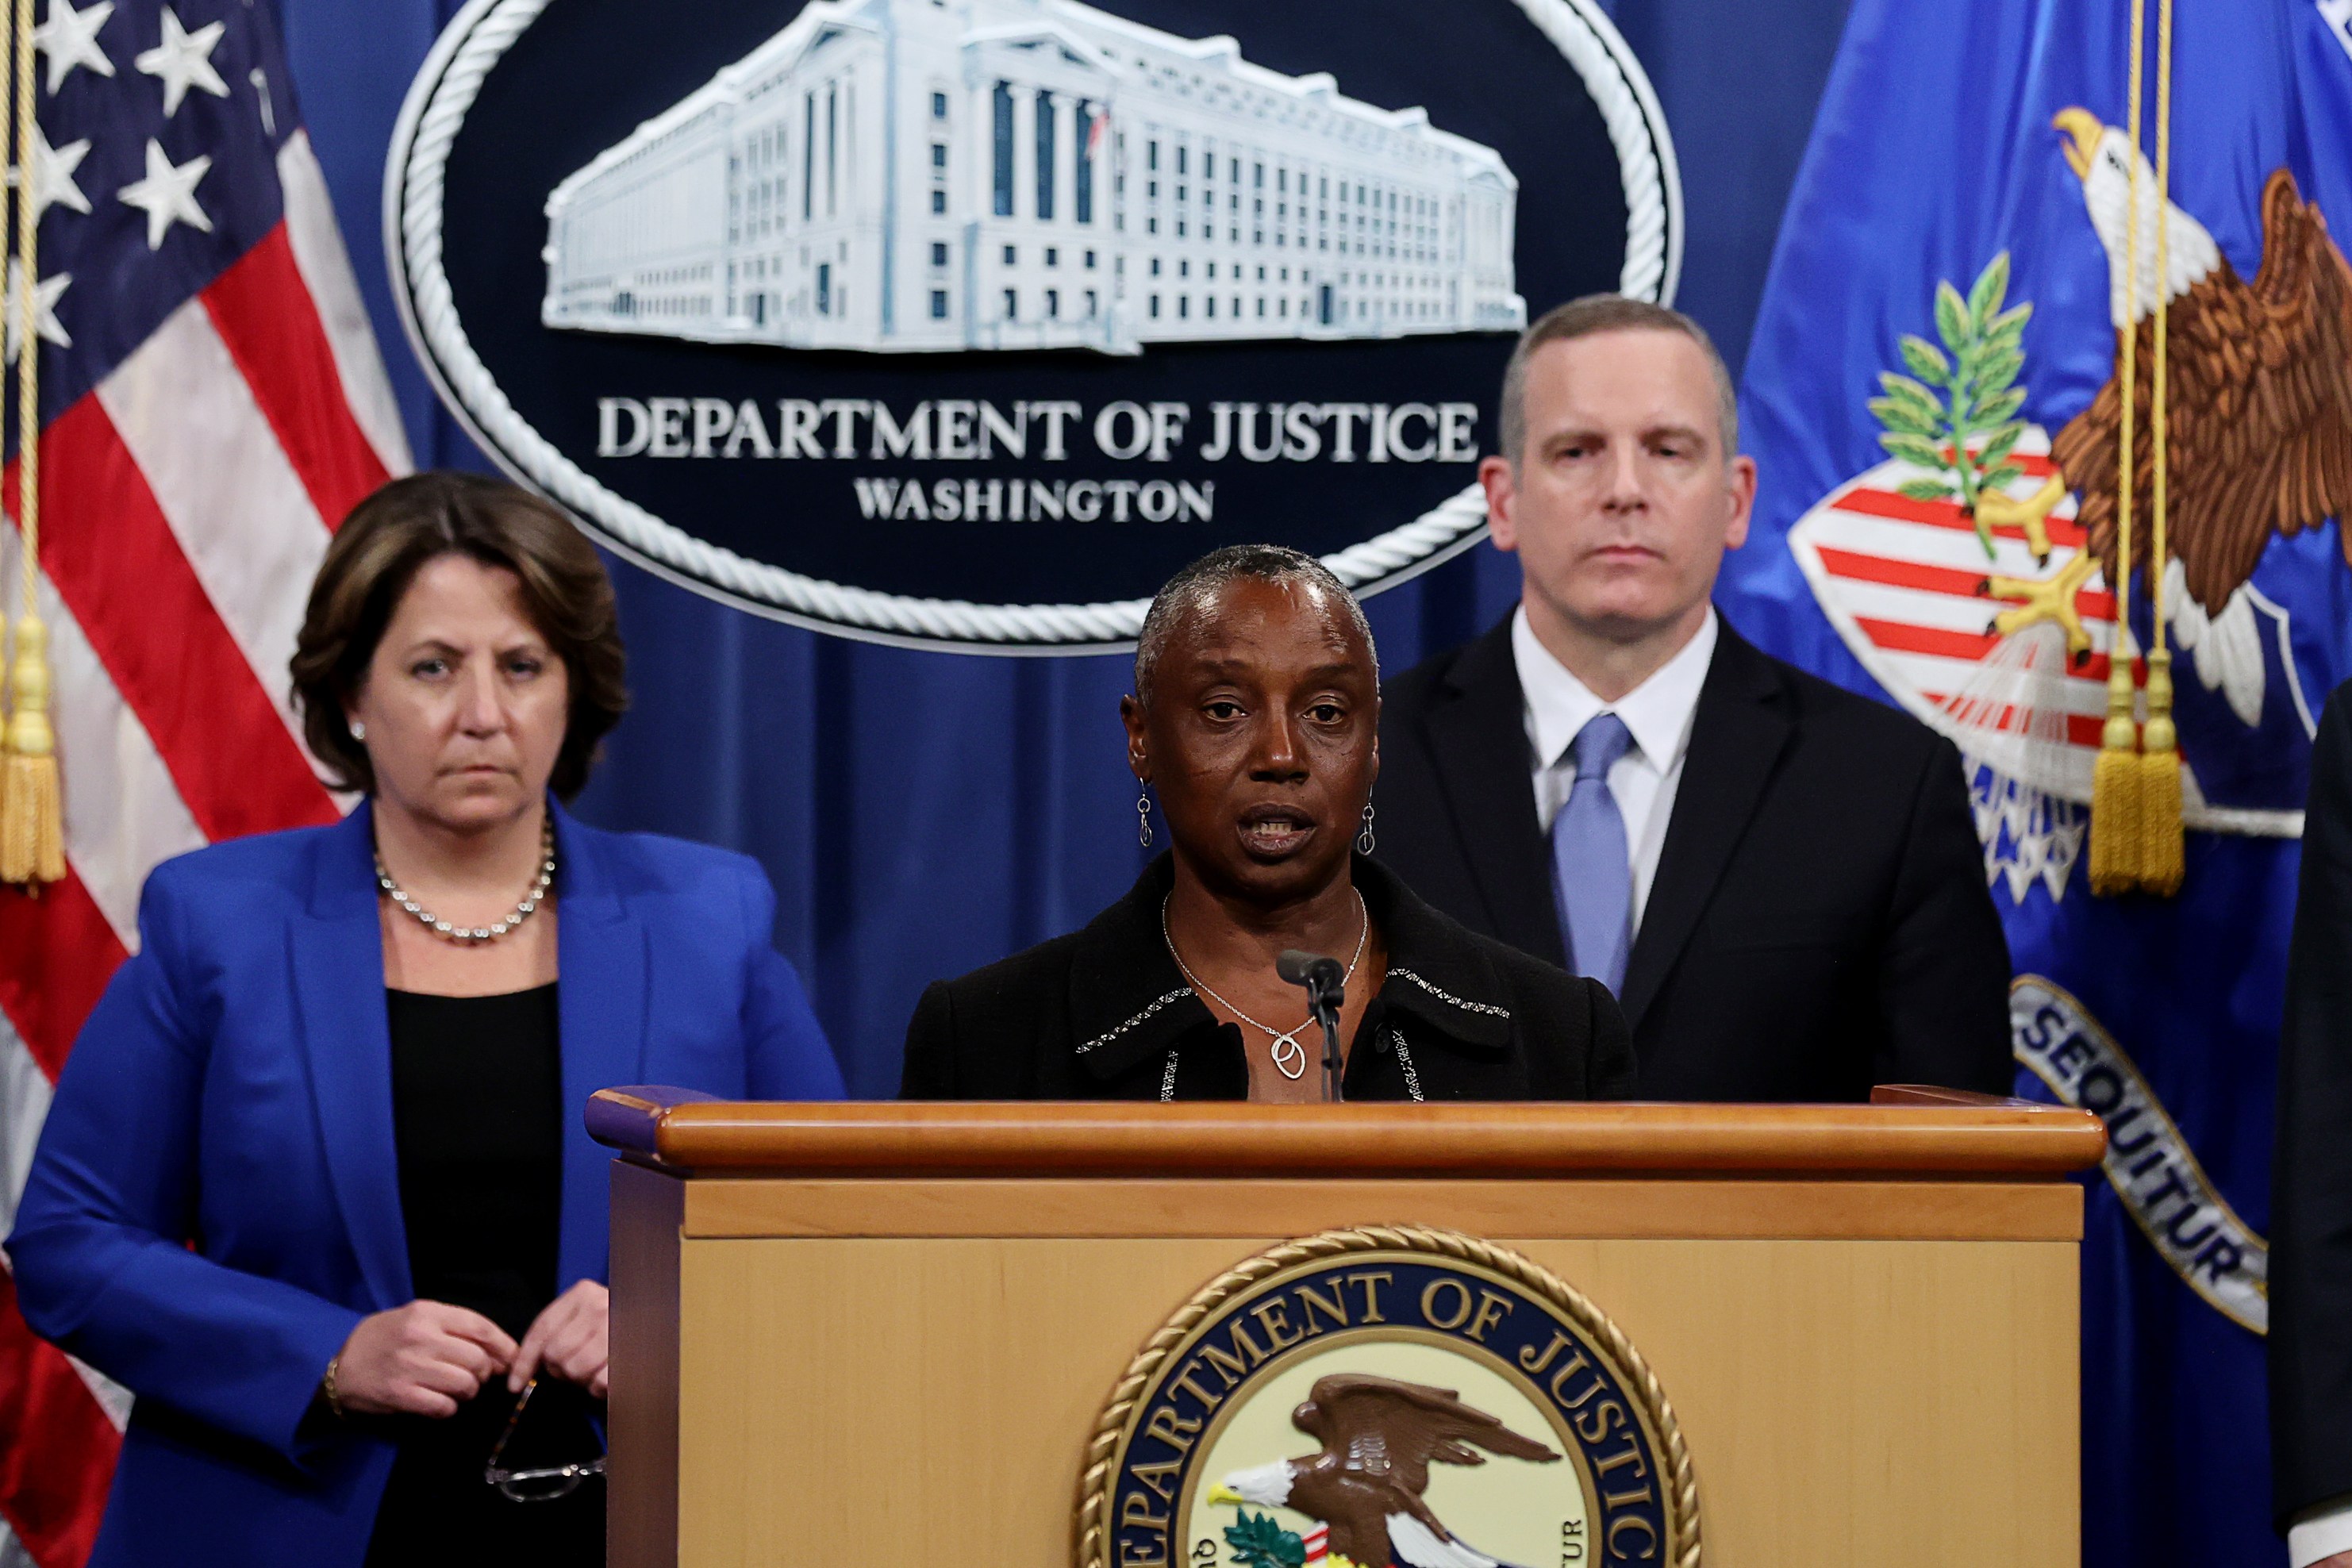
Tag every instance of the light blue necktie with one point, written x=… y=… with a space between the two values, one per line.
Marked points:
x=1592 y=875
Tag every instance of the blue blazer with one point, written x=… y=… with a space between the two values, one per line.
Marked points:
x=215 y=1202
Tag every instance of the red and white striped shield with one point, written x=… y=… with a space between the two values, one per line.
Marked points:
x=1908 y=586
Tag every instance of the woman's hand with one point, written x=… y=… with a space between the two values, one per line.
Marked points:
x=424 y=1359
x=571 y=1339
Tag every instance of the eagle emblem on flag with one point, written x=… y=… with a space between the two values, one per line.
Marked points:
x=1973 y=571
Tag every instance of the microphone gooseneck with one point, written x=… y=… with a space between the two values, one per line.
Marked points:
x=1325 y=981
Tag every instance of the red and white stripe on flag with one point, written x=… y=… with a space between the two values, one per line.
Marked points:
x=185 y=503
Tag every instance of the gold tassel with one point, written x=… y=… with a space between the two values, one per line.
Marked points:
x=32 y=810
x=32 y=807
x=2163 y=856
x=2117 y=837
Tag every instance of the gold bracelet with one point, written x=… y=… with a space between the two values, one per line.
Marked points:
x=334 y=1400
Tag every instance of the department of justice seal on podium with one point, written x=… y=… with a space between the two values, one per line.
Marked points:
x=1387 y=1396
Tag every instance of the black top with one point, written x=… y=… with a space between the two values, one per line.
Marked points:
x=478 y=1120
x=477 y=1116
x=1820 y=920
x=1104 y=1013
x=2310 y=1340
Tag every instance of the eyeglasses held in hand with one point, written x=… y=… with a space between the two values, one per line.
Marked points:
x=538 y=1485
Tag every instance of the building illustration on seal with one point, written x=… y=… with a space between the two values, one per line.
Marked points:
x=892 y=175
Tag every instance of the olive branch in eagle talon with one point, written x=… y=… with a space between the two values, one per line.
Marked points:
x=1956 y=417
x=1379 y=1437
x=1259 y=1541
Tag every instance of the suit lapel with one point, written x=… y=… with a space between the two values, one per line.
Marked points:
x=337 y=954
x=1478 y=746
x=1737 y=737
x=602 y=963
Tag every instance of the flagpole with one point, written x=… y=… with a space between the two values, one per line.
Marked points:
x=2117 y=829
x=2163 y=855
x=32 y=821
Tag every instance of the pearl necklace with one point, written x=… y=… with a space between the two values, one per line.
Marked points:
x=1290 y=1056
x=496 y=929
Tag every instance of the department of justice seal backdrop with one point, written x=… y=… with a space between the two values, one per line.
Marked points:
x=1388 y=1395
x=965 y=323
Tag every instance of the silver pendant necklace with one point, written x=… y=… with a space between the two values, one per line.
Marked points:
x=1290 y=1055
x=496 y=929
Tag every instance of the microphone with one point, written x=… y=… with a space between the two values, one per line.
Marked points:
x=1326 y=981
x=1312 y=971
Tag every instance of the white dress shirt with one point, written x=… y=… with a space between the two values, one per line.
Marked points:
x=1658 y=713
x=2323 y=1536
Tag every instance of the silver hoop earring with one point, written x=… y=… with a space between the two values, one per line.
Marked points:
x=359 y=730
x=1143 y=817
x=1364 y=840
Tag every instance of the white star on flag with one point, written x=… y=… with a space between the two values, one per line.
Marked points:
x=168 y=194
x=44 y=309
x=53 y=173
x=69 y=37
x=183 y=60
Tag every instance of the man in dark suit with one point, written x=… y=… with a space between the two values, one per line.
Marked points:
x=2310 y=1340
x=1780 y=880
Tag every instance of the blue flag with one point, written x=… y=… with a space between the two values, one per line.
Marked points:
x=1935 y=527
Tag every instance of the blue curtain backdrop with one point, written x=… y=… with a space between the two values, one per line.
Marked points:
x=923 y=813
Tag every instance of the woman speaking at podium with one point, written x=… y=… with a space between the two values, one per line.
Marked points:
x=1255 y=717
x=314 y=1187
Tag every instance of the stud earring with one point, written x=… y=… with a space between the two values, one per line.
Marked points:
x=1364 y=840
x=1143 y=817
x=359 y=730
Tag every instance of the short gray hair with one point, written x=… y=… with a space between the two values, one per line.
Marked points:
x=1608 y=313
x=1192 y=589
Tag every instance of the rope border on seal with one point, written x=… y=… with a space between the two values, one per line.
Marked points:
x=1097 y=1479
x=435 y=112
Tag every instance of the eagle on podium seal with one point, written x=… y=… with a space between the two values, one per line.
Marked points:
x=1388 y=1397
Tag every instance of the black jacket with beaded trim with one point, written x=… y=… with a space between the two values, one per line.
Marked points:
x=1103 y=1014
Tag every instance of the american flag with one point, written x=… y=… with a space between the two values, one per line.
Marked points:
x=212 y=406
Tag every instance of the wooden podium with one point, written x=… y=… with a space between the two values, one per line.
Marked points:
x=880 y=1335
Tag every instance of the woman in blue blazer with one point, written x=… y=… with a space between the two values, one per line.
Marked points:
x=314 y=1186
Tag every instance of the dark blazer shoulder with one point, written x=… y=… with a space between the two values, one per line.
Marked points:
x=1824 y=710
x=1539 y=988
x=1014 y=989
x=988 y=1034
x=1485 y=657
x=1558 y=1007
x=1571 y=1038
